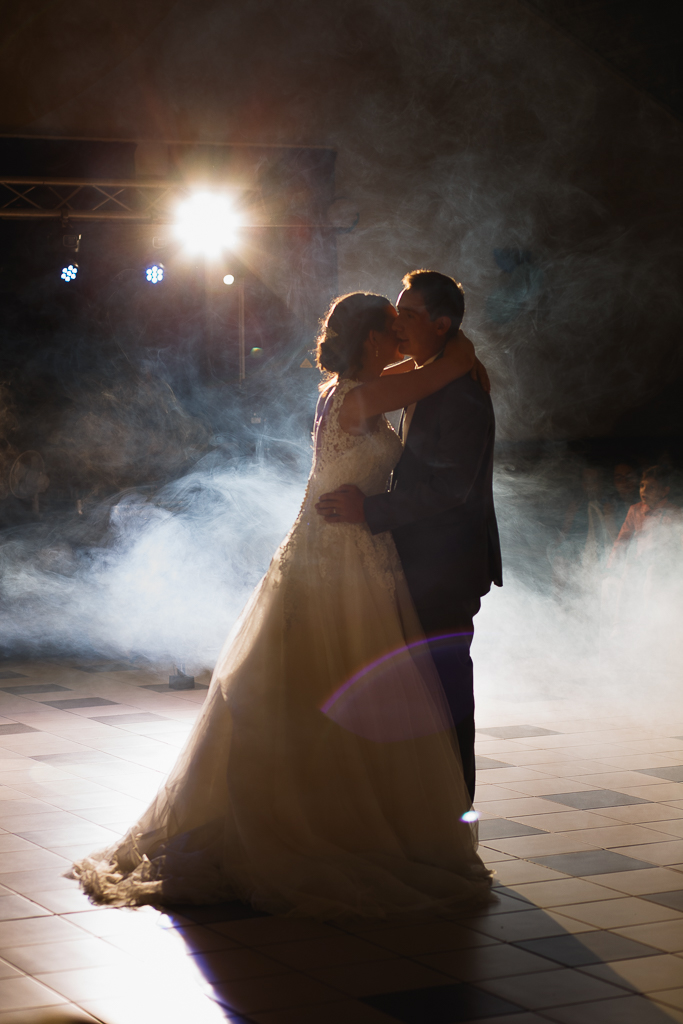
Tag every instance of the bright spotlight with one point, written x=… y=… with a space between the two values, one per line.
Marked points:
x=207 y=224
x=155 y=273
x=69 y=273
x=229 y=279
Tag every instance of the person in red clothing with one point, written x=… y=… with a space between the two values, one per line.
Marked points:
x=651 y=525
x=643 y=591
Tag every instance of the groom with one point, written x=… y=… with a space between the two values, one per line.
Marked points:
x=439 y=507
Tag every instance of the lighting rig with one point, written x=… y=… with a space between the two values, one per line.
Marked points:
x=186 y=219
x=196 y=241
x=204 y=223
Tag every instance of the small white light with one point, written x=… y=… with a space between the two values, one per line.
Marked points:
x=229 y=279
x=207 y=223
x=155 y=273
x=469 y=816
x=69 y=273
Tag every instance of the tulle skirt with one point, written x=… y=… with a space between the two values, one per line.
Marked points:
x=322 y=777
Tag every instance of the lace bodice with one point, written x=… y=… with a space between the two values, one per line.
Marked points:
x=365 y=460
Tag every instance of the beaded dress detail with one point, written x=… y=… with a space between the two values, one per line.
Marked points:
x=313 y=782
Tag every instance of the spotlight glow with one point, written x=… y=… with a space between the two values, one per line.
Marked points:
x=229 y=279
x=207 y=224
x=469 y=816
x=69 y=273
x=155 y=273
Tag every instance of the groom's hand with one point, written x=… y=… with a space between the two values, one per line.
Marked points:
x=345 y=505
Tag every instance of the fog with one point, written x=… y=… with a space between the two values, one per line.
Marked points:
x=574 y=622
x=476 y=140
x=173 y=568
x=170 y=578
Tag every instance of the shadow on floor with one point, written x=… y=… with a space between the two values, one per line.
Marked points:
x=520 y=961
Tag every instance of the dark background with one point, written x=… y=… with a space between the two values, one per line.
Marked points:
x=532 y=149
x=462 y=130
x=119 y=383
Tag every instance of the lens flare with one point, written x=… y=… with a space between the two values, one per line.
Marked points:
x=416 y=646
x=470 y=816
x=207 y=224
x=397 y=697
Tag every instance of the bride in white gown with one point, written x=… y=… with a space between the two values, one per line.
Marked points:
x=322 y=777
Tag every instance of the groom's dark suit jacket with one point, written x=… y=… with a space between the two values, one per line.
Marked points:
x=440 y=504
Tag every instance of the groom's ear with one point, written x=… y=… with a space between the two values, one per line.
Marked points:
x=442 y=324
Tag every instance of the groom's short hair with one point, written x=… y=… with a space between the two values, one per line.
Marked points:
x=443 y=296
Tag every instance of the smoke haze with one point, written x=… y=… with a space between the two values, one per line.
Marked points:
x=176 y=567
x=168 y=582
x=473 y=139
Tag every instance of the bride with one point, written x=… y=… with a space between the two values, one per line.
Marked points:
x=322 y=777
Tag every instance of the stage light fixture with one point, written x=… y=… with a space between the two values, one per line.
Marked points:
x=206 y=224
x=229 y=279
x=71 y=242
x=69 y=273
x=155 y=273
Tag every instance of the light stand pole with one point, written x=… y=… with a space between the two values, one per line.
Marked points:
x=240 y=314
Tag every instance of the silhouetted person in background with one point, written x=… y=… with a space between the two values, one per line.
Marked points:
x=649 y=523
x=585 y=538
x=642 y=589
x=626 y=494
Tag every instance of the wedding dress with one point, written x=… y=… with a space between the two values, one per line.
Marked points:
x=321 y=777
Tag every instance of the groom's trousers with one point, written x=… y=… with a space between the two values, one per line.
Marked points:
x=449 y=627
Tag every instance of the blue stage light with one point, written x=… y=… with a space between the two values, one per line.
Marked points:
x=69 y=273
x=155 y=273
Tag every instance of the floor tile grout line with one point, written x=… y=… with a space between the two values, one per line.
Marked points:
x=509 y=858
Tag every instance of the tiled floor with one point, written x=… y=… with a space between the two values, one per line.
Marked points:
x=582 y=819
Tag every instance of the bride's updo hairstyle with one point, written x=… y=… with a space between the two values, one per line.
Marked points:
x=344 y=329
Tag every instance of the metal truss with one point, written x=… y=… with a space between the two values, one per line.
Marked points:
x=73 y=199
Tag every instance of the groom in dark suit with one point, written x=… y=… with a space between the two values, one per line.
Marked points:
x=439 y=507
